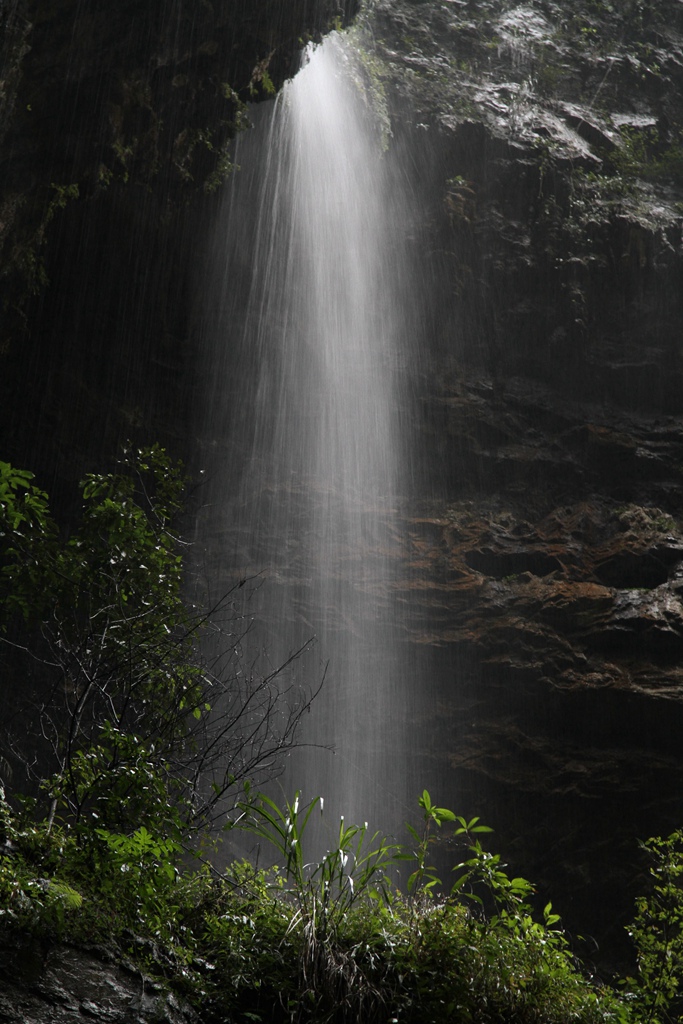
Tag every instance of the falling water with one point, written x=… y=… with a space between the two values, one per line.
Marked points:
x=313 y=322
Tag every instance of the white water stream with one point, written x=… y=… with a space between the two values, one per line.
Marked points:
x=313 y=311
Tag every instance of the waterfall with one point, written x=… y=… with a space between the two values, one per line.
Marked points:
x=311 y=321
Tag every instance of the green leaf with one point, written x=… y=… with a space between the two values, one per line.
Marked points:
x=425 y=801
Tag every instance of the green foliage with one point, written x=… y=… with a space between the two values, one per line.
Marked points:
x=139 y=727
x=27 y=534
x=113 y=622
x=21 y=501
x=31 y=897
x=657 y=932
x=424 y=878
x=357 y=950
x=244 y=932
x=462 y=970
x=261 y=84
x=121 y=563
x=139 y=873
x=134 y=715
x=324 y=891
x=62 y=194
x=55 y=884
x=644 y=154
x=222 y=171
x=260 y=945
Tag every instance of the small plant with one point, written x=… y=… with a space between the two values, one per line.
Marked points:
x=260 y=81
x=140 y=872
x=324 y=891
x=424 y=878
x=335 y=979
x=30 y=897
x=657 y=932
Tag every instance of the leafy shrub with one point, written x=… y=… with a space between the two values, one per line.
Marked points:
x=657 y=932
x=30 y=896
x=345 y=946
x=140 y=727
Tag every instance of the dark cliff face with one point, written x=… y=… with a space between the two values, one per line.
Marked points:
x=51 y=983
x=114 y=126
x=547 y=549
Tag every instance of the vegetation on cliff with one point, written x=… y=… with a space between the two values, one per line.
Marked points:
x=328 y=941
x=134 y=705
x=143 y=745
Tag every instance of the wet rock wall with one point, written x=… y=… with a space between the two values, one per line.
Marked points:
x=545 y=555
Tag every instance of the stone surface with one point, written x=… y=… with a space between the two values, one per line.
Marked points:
x=114 y=126
x=60 y=983
x=545 y=556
